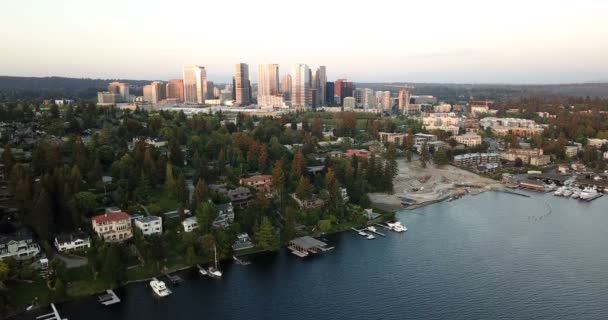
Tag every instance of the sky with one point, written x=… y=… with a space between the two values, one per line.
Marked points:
x=464 y=41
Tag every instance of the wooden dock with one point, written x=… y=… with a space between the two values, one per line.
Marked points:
x=175 y=279
x=51 y=316
x=109 y=298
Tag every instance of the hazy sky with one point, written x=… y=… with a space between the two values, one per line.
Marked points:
x=516 y=41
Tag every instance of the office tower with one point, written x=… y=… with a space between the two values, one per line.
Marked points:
x=268 y=79
x=369 y=100
x=404 y=100
x=195 y=84
x=319 y=83
x=209 y=90
x=329 y=93
x=242 y=85
x=343 y=88
x=233 y=89
x=359 y=95
x=386 y=100
x=286 y=87
x=154 y=92
x=175 y=90
x=300 y=86
x=122 y=89
x=216 y=92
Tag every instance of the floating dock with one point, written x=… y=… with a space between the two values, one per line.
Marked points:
x=513 y=193
x=109 y=298
x=240 y=261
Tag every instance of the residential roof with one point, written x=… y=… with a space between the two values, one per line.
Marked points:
x=110 y=217
x=67 y=238
x=148 y=219
x=256 y=178
x=308 y=242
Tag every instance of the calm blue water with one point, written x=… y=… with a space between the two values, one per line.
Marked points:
x=489 y=256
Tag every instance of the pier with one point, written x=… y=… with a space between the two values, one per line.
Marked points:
x=175 y=279
x=241 y=261
x=51 y=316
x=513 y=193
x=109 y=298
x=305 y=246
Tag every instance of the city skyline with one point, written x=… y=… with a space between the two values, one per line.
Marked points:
x=440 y=41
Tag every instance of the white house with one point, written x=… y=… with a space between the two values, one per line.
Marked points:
x=74 y=241
x=190 y=224
x=20 y=245
x=149 y=225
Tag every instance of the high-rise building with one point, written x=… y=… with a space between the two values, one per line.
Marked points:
x=122 y=89
x=268 y=79
x=286 y=87
x=209 y=91
x=329 y=93
x=242 y=85
x=175 y=90
x=319 y=82
x=216 y=92
x=107 y=98
x=154 y=92
x=386 y=100
x=359 y=95
x=404 y=100
x=343 y=88
x=195 y=84
x=369 y=100
x=300 y=86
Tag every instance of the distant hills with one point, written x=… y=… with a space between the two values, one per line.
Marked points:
x=83 y=88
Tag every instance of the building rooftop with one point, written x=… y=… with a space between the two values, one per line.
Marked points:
x=110 y=217
x=67 y=238
x=147 y=219
x=308 y=242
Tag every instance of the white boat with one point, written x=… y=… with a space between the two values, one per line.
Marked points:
x=567 y=193
x=559 y=191
x=201 y=270
x=588 y=193
x=576 y=194
x=159 y=288
x=396 y=226
x=370 y=237
x=371 y=228
x=214 y=271
x=361 y=233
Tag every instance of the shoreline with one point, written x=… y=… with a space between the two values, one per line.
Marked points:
x=385 y=216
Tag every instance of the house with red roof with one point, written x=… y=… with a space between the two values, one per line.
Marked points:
x=113 y=226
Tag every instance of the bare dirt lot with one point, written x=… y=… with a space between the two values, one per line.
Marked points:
x=418 y=186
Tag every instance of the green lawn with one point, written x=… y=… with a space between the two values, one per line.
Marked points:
x=22 y=295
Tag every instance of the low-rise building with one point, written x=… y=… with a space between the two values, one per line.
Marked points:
x=514 y=126
x=72 y=241
x=243 y=242
x=149 y=225
x=225 y=216
x=597 y=143
x=112 y=226
x=533 y=157
x=396 y=138
x=312 y=202
x=261 y=183
x=475 y=159
x=19 y=245
x=469 y=139
x=572 y=151
x=446 y=121
x=360 y=153
x=190 y=224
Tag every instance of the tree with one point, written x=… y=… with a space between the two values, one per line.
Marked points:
x=304 y=188
x=200 y=193
x=440 y=158
x=169 y=179
x=408 y=155
x=205 y=214
x=8 y=160
x=424 y=155
x=4 y=270
x=41 y=217
x=317 y=127
x=207 y=243
x=181 y=190
x=298 y=166
x=278 y=179
x=266 y=236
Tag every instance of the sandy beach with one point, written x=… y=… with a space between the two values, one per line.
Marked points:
x=420 y=186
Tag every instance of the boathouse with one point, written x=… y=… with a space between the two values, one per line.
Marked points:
x=304 y=246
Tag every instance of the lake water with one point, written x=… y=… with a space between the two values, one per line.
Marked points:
x=489 y=256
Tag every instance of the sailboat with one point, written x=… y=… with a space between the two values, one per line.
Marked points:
x=214 y=271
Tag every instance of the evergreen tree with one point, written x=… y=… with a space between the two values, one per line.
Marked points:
x=278 y=179
x=181 y=190
x=201 y=193
x=304 y=188
x=169 y=179
x=424 y=155
x=440 y=158
x=266 y=236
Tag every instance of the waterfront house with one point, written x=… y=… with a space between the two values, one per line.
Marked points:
x=149 y=225
x=305 y=246
x=72 y=241
x=311 y=203
x=239 y=196
x=225 y=216
x=190 y=224
x=19 y=245
x=113 y=226
x=243 y=242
